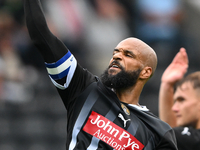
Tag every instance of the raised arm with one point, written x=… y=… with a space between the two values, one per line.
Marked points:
x=59 y=61
x=62 y=67
x=174 y=72
x=50 y=47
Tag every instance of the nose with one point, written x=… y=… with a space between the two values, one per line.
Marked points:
x=175 y=107
x=117 y=56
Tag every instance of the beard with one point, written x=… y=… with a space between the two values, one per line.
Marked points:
x=121 y=80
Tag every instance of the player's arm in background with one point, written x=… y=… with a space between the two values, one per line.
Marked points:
x=173 y=73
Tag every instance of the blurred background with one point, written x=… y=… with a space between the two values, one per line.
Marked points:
x=32 y=116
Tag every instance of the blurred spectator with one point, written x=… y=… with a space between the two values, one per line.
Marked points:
x=70 y=27
x=131 y=17
x=107 y=21
x=13 y=83
x=15 y=7
x=159 y=24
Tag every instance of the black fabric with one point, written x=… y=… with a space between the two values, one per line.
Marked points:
x=148 y=129
x=52 y=49
x=187 y=138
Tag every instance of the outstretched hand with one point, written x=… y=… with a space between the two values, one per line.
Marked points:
x=177 y=69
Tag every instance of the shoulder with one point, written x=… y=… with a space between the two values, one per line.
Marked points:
x=186 y=131
x=154 y=123
x=187 y=137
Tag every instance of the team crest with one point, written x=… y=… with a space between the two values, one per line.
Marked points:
x=126 y=110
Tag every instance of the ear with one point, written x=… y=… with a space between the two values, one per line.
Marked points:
x=146 y=73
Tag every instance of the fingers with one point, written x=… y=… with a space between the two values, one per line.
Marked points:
x=184 y=55
x=181 y=56
x=182 y=49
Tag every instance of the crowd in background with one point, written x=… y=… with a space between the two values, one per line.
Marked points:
x=90 y=29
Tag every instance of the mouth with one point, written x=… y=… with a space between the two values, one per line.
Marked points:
x=115 y=64
x=178 y=116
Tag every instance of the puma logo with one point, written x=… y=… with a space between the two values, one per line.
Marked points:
x=123 y=119
x=186 y=131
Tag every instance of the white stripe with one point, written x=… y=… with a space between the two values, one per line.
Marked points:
x=71 y=72
x=61 y=68
x=92 y=98
x=94 y=143
x=69 y=76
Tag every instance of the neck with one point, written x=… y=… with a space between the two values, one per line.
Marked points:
x=197 y=125
x=130 y=95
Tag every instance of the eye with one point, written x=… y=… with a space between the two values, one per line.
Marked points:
x=180 y=99
x=129 y=55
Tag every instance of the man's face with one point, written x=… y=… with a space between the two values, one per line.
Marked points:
x=187 y=105
x=124 y=58
x=124 y=68
x=128 y=56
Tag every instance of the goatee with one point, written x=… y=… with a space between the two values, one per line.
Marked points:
x=121 y=80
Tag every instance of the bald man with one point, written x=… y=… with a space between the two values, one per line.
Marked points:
x=102 y=113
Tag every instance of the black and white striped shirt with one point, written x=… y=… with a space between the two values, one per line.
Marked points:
x=96 y=119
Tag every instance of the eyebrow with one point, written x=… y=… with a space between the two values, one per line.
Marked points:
x=115 y=50
x=127 y=51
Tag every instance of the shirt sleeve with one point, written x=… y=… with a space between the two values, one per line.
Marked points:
x=51 y=48
x=61 y=65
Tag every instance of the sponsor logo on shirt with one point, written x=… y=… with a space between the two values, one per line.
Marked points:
x=115 y=136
